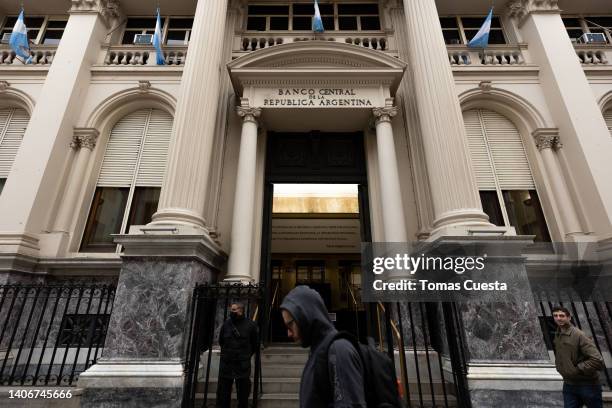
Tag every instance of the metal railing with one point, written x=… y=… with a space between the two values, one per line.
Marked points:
x=50 y=334
x=425 y=378
x=209 y=310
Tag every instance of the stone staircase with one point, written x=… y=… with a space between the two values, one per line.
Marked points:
x=282 y=367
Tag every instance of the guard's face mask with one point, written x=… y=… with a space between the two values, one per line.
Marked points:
x=234 y=315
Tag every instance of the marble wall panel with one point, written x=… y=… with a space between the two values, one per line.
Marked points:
x=132 y=398
x=516 y=399
x=507 y=331
x=150 y=316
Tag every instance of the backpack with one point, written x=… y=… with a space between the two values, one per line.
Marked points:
x=379 y=380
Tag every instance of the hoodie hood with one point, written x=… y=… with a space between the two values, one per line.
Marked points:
x=309 y=311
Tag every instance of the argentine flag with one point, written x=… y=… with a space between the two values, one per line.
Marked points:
x=19 y=40
x=317 y=22
x=157 y=40
x=481 y=39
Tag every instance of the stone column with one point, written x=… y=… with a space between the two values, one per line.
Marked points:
x=394 y=221
x=84 y=141
x=454 y=194
x=569 y=96
x=183 y=195
x=239 y=267
x=547 y=142
x=36 y=172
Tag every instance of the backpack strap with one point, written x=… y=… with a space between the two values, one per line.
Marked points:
x=322 y=379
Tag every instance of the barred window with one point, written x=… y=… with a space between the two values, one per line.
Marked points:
x=504 y=178
x=298 y=17
x=576 y=26
x=129 y=183
x=461 y=29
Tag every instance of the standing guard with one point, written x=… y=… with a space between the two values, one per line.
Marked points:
x=238 y=340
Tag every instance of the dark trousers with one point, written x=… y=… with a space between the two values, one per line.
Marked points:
x=224 y=392
x=575 y=396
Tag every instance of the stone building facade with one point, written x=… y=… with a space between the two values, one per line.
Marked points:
x=115 y=169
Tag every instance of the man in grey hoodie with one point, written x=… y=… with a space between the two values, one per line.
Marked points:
x=308 y=323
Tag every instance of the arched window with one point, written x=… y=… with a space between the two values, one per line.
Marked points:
x=503 y=175
x=608 y=118
x=127 y=191
x=13 y=124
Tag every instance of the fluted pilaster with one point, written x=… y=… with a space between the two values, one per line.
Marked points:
x=452 y=183
x=548 y=142
x=183 y=194
x=83 y=142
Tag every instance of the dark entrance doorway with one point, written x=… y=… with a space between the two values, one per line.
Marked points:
x=316 y=214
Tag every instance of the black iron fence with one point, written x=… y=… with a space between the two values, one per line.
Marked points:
x=209 y=310
x=430 y=352
x=50 y=334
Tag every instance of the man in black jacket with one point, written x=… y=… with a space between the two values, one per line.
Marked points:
x=238 y=339
x=308 y=323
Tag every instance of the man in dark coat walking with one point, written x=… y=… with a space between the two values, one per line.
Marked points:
x=308 y=323
x=578 y=361
x=238 y=339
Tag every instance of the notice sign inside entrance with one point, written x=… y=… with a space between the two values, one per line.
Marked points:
x=318 y=98
x=315 y=235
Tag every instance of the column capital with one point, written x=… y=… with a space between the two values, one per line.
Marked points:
x=85 y=137
x=521 y=9
x=547 y=138
x=248 y=113
x=109 y=10
x=386 y=113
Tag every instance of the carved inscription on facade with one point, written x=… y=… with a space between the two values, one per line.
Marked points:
x=317 y=98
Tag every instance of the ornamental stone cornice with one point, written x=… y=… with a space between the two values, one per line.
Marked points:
x=109 y=10
x=521 y=9
x=547 y=138
x=85 y=137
